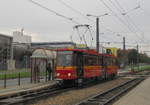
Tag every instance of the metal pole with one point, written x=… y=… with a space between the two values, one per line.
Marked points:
x=5 y=78
x=31 y=72
x=12 y=50
x=19 y=79
x=124 y=44
x=97 y=34
x=138 y=56
x=124 y=52
x=46 y=70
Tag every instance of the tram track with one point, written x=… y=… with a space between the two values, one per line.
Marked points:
x=34 y=96
x=110 y=95
x=31 y=97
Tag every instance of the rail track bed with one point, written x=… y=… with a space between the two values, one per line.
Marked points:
x=110 y=95
x=73 y=96
x=29 y=97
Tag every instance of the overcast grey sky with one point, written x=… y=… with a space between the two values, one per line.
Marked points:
x=46 y=26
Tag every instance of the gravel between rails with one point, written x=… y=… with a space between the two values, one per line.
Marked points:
x=74 y=96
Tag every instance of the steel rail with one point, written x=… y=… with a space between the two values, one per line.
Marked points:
x=27 y=98
x=30 y=91
x=111 y=94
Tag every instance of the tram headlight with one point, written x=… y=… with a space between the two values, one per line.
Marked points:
x=69 y=74
x=58 y=74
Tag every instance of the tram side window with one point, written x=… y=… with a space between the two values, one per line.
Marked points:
x=85 y=60
x=90 y=60
x=109 y=61
x=95 y=60
x=105 y=61
x=100 y=60
x=114 y=61
x=74 y=59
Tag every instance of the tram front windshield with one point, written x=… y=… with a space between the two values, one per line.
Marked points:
x=64 y=58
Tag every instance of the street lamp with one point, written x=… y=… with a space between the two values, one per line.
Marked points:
x=97 y=28
x=97 y=16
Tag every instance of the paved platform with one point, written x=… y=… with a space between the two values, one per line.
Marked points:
x=140 y=95
x=24 y=88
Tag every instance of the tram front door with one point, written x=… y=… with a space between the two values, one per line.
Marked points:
x=79 y=64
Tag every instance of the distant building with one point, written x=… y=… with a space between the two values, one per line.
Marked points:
x=5 y=50
x=21 y=47
x=20 y=37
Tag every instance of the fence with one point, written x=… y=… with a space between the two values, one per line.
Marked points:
x=20 y=76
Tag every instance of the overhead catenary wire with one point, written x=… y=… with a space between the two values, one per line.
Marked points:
x=74 y=10
x=58 y=14
x=52 y=11
x=118 y=9
x=78 y=12
x=129 y=19
x=113 y=12
x=120 y=19
x=103 y=35
x=121 y=11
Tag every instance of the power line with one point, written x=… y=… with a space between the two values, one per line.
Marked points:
x=103 y=36
x=123 y=15
x=75 y=10
x=119 y=10
x=113 y=12
x=120 y=19
x=128 y=18
x=78 y=12
x=52 y=11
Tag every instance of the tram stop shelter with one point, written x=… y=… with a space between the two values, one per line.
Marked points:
x=42 y=60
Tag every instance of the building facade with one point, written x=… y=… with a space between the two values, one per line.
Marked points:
x=5 y=51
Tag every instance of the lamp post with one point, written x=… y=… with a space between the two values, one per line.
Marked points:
x=124 y=49
x=97 y=28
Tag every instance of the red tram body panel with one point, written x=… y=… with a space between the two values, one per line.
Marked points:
x=73 y=64
x=66 y=72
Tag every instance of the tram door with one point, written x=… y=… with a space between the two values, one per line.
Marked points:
x=105 y=64
x=79 y=64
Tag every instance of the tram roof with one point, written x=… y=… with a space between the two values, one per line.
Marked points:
x=89 y=51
